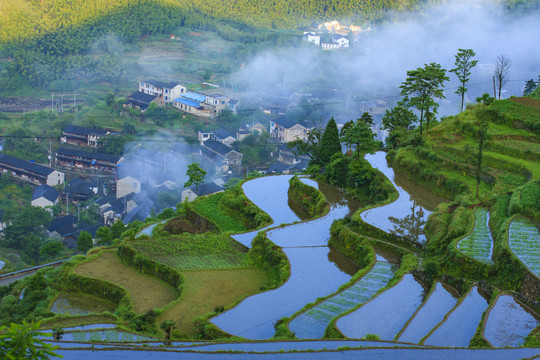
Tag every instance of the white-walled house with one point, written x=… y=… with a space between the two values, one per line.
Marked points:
x=127 y=185
x=286 y=130
x=167 y=91
x=45 y=196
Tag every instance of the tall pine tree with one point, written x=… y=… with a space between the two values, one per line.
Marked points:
x=330 y=143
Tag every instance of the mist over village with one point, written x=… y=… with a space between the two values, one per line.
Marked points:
x=335 y=179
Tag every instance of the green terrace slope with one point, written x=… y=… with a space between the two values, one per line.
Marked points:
x=446 y=161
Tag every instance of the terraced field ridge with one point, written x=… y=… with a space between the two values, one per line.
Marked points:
x=524 y=240
x=478 y=244
x=509 y=322
x=438 y=304
x=460 y=326
x=313 y=323
x=386 y=314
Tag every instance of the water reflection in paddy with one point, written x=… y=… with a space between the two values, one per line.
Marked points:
x=461 y=325
x=408 y=214
x=439 y=303
x=313 y=273
x=312 y=276
x=386 y=314
x=509 y=322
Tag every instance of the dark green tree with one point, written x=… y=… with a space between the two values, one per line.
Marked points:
x=464 y=64
x=84 y=242
x=485 y=99
x=363 y=137
x=104 y=235
x=52 y=248
x=28 y=220
x=117 y=229
x=530 y=85
x=398 y=117
x=196 y=176
x=346 y=127
x=367 y=118
x=421 y=88
x=330 y=143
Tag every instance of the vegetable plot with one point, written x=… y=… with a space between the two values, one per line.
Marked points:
x=478 y=244
x=524 y=240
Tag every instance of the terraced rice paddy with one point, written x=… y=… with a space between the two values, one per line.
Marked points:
x=146 y=292
x=509 y=322
x=313 y=323
x=386 y=314
x=107 y=335
x=435 y=308
x=80 y=304
x=461 y=324
x=478 y=244
x=524 y=240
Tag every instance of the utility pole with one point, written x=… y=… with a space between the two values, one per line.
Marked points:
x=52 y=103
x=67 y=203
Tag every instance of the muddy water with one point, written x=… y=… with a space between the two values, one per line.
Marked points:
x=460 y=327
x=386 y=314
x=439 y=303
x=315 y=270
x=509 y=322
x=408 y=214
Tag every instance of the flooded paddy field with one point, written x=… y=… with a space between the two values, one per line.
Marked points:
x=460 y=326
x=509 y=322
x=439 y=303
x=386 y=314
x=80 y=304
x=408 y=214
x=313 y=323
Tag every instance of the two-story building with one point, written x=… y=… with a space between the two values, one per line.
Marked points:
x=82 y=136
x=221 y=135
x=88 y=160
x=337 y=42
x=200 y=104
x=166 y=91
x=30 y=171
x=220 y=154
x=285 y=130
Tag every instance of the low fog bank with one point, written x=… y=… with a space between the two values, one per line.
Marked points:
x=377 y=64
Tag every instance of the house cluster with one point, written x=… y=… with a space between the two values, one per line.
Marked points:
x=339 y=35
x=178 y=96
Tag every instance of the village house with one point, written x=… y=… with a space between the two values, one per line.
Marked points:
x=45 y=196
x=337 y=42
x=82 y=136
x=312 y=38
x=87 y=160
x=80 y=189
x=286 y=156
x=221 y=135
x=190 y=193
x=233 y=106
x=126 y=185
x=200 y=104
x=141 y=101
x=111 y=209
x=220 y=154
x=286 y=130
x=166 y=91
x=30 y=171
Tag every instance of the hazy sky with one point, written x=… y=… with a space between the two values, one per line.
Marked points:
x=379 y=64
